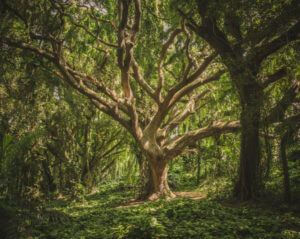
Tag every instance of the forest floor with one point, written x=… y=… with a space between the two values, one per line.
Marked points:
x=192 y=195
x=109 y=214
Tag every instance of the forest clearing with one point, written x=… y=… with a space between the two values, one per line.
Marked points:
x=149 y=119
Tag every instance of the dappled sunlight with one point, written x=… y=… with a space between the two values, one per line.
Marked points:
x=150 y=119
x=186 y=216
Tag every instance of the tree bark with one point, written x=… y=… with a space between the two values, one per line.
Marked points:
x=158 y=184
x=145 y=174
x=286 y=175
x=247 y=186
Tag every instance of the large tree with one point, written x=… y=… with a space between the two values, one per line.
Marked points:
x=245 y=34
x=101 y=49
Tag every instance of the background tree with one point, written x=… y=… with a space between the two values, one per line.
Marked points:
x=245 y=35
x=50 y=138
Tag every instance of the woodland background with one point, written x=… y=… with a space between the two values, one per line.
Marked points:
x=103 y=102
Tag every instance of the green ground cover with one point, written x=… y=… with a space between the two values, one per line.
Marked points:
x=103 y=215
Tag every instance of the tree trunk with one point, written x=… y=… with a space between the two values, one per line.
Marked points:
x=269 y=154
x=158 y=184
x=198 y=169
x=218 y=171
x=48 y=176
x=60 y=175
x=145 y=174
x=286 y=175
x=86 y=168
x=248 y=184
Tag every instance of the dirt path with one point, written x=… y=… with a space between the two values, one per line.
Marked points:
x=191 y=195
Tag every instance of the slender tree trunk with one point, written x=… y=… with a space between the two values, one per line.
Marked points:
x=218 y=156
x=48 y=176
x=269 y=154
x=86 y=163
x=145 y=174
x=60 y=176
x=247 y=186
x=158 y=184
x=84 y=173
x=198 y=168
x=286 y=175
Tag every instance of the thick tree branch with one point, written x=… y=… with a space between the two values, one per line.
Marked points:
x=169 y=102
x=126 y=41
x=289 y=14
x=267 y=80
x=264 y=50
x=278 y=111
x=175 y=146
x=209 y=31
x=26 y=46
x=124 y=47
x=115 y=115
x=137 y=20
x=74 y=78
x=101 y=87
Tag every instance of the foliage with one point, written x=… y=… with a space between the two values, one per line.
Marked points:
x=101 y=215
x=92 y=110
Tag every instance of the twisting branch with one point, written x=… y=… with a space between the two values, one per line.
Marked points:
x=191 y=78
x=190 y=109
x=75 y=79
x=140 y=79
x=126 y=41
x=165 y=47
x=124 y=47
x=170 y=101
x=97 y=20
x=95 y=36
x=193 y=85
x=191 y=61
x=185 y=86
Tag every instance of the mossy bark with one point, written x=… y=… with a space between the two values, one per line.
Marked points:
x=248 y=184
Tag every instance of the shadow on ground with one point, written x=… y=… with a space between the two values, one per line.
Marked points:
x=109 y=215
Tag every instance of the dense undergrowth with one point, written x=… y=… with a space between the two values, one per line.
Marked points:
x=105 y=215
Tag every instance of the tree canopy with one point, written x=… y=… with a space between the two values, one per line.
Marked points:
x=93 y=91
